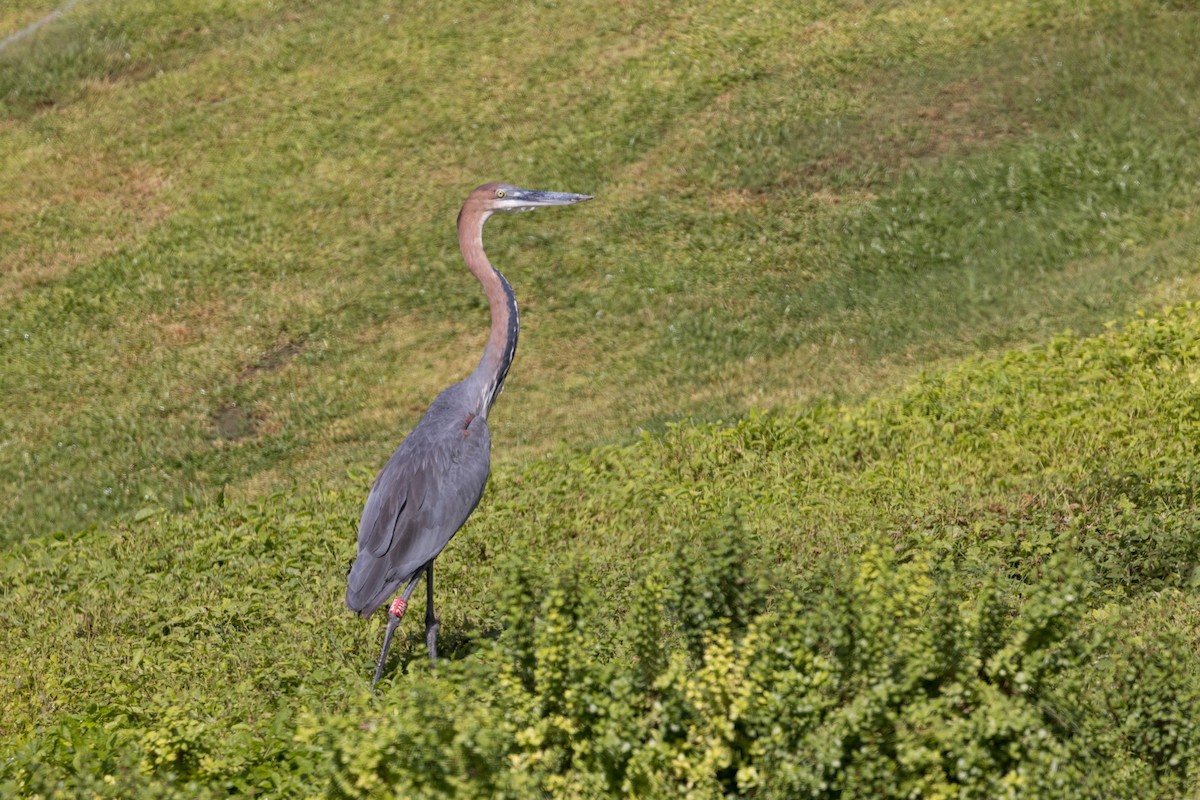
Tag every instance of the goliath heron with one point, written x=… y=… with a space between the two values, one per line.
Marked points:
x=435 y=478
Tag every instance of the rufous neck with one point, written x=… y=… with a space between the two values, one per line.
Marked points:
x=501 y=347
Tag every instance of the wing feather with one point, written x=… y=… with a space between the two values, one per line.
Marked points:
x=421 y=498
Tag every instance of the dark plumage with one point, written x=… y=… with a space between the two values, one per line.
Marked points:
x=434 y=480
x=424 y=494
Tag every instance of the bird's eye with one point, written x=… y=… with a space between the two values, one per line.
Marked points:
x=500 y=194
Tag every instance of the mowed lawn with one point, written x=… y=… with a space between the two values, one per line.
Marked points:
x=227 y=261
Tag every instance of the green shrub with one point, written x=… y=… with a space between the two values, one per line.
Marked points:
x=892 y=680
x=884 y=679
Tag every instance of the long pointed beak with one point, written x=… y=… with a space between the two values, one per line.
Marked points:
x=529 y=198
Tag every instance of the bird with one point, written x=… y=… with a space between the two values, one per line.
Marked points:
x=436 y=477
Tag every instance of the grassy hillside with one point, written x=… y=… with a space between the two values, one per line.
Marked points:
x=979 y=585
x=226 y=251
x=936 y=548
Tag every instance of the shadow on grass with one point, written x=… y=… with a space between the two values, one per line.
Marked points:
x=410 y=651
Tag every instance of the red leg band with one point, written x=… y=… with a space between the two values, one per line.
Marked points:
x=399 y=606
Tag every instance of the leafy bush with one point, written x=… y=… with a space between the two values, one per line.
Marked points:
x=883 y=679
x=893 y=680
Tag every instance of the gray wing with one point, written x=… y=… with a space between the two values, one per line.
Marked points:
x=422 y=497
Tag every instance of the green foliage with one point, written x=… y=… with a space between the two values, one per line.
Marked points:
x=980 y=585
x=1090 y=444
x=890 y=680
x=849 y=690
x=711 y=594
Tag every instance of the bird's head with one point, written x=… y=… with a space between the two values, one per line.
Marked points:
x=493 y=197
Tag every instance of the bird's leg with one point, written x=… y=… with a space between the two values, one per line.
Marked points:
x=431 y=621
x=395 y=614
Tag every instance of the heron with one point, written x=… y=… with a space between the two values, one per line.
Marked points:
x=436 y=477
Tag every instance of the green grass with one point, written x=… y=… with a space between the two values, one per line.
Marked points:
x=942 y=547
x=1025 y=521
x=792 y=203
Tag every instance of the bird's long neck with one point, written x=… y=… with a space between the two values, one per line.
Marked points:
x=489 y=376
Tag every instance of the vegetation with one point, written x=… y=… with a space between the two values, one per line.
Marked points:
x=228 y=255
x=979 y=585
x=924 y=544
